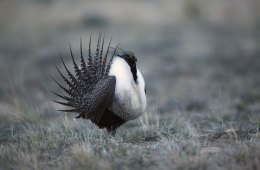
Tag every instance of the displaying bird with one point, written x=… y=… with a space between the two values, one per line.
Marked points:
x=107 y=88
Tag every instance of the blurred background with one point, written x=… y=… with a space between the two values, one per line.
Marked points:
x=197 y=56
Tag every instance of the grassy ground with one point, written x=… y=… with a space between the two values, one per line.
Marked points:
x=201 y=66
x=177 y=141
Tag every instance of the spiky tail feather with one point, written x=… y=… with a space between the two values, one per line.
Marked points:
x=87 y=76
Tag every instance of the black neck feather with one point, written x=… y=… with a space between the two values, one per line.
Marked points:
x=131 y=60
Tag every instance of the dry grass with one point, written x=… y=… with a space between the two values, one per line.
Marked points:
x=152 y=142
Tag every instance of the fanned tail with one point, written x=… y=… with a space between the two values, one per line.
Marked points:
x=91 y=71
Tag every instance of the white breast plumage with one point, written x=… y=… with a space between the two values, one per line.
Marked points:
x=129 y=100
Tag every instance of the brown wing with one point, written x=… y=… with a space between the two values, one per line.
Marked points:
x=100 y=99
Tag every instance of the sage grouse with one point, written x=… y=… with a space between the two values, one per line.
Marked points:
x=107 y=88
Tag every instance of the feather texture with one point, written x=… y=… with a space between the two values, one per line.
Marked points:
x=91 y=90
x=105 y=87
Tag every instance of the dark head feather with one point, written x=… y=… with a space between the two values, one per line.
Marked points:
x=130 y=58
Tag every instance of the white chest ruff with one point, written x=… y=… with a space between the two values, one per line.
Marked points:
x=129 y=100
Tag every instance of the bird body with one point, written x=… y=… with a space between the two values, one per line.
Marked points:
x=109 y=93
x=129 y=95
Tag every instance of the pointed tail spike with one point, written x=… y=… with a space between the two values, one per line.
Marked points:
x=80 y=46
x=82 y=61
x=76 y=68
x=63 y=103
x=72 y=110
x=89 y=52
x=101 y=57
x=97 y=55
x=63 y=88
x=63 y=97
x=111 y=60
x=72 y=78
x=105 y=58
x=84 y=69
x=64 y=78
